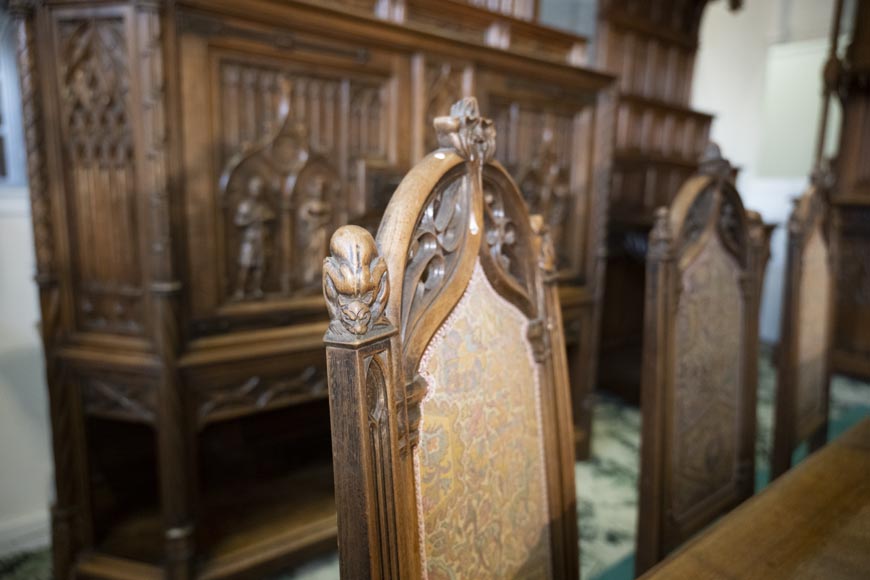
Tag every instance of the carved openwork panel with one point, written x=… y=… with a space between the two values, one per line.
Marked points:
x=708 y=371
x=96 y=110
x=503 y=254
x=434 y=253
x=813 y=329
x=483 y=402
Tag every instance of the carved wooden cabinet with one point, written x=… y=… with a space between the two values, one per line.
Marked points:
x=851 y=204
x=659 y=141
x=188 y=162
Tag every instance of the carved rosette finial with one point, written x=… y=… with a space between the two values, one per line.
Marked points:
x=713 y=164
x=356 y=284
x=466 y=132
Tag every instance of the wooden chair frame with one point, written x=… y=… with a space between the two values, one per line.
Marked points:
x=388 y=298
x=707 y=205
x=809 y=217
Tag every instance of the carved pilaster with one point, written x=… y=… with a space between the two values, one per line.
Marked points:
x=175 y=434
x=31 y=109
x=66 y=511
x=361 y=374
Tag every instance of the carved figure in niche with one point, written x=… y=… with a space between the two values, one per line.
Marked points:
x=315 y=218
x=253 y=216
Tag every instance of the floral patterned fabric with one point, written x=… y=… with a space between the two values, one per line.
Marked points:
x=709 y=328
x=480 y=462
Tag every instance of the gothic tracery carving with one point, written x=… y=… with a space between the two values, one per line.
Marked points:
x=501 y=231
x=433 y=255
x=94 y=87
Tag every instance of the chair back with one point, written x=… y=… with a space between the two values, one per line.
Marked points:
x=450 y=410
x=803 y=374
x=699 y=344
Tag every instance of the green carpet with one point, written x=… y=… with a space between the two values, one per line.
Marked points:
x=607 y=485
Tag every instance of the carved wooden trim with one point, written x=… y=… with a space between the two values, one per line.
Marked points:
x=37 y=177
x=118 y=397
x=259 y=393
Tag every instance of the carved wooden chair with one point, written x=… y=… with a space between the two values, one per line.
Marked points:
x=803 y=376
x=699 y=380
x=451 y=416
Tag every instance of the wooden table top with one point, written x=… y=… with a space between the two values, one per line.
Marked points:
x=811 y=523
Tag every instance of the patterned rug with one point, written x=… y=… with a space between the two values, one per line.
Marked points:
x=607 y=485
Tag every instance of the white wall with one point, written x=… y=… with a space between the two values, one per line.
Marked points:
x=765 y=94
x=25 y=458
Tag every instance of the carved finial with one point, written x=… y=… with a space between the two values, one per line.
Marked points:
x=465 y=131
x=546 y=253
x=713 y=164
x=756 y=226
x=356 y=283
x=823 y=175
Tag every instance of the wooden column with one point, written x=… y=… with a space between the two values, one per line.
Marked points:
x=175 y=433
x=67 y=515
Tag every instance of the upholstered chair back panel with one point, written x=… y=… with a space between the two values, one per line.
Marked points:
x=707 y=381
x=480 y=461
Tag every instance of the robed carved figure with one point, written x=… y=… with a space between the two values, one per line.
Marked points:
x=450 y=410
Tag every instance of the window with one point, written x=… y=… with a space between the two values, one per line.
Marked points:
x=12 y=153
